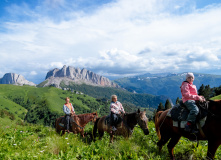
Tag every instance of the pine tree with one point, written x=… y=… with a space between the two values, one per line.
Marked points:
x=201 y=90
x=160 y=107
x=167 y=104
x=177 y=100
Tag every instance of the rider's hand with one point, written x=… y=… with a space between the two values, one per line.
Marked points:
x=201 y=99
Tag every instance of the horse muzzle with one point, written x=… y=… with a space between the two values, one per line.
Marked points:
x=146 y=131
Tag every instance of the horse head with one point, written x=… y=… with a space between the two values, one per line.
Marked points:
x=215 y=107
x=142 y=121
x=95 y=116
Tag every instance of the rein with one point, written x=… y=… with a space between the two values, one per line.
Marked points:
x=212 y=114
x=76 y=123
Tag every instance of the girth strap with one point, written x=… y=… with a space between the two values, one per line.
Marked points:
x=200 y=129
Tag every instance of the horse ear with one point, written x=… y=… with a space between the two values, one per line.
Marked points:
x=138 y=111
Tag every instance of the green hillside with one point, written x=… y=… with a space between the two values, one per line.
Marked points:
x=44 y=105
x=140 y=100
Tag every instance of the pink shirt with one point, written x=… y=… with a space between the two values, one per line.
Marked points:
x=189 y=92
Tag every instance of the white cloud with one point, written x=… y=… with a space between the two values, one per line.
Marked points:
x=122 y=37
x=33 y=73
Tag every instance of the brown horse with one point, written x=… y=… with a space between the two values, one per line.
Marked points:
x=126 y=127
x=78 y=122
x=211 y=129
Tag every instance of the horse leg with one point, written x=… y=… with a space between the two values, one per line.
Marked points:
x=212 y=147
x=82 y=133
x=173 y=141
x=111 y=138
x=101 y=133
x=162 y=142
x=164 y=139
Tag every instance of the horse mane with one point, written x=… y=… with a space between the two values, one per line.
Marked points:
x=84 y=117
x=129 y=118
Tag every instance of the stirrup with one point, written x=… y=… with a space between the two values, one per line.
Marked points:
x=114 y=128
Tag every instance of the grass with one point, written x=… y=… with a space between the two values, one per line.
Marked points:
x=54 y=96
x=20 y=140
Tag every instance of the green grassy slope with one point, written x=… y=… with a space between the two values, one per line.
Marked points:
x=54 y=96
x=28 y=141
x=44 y=105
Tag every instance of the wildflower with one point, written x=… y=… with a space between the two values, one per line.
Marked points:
x=14 y=144
x=67 y=143
x=21 y=131
x=42 y=151
x=66 y=138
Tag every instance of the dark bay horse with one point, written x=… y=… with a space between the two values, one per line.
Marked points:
x=212 y=130
x=78 y=122
x=129 y=122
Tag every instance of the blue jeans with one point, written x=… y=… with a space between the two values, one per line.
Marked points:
x=194 y=110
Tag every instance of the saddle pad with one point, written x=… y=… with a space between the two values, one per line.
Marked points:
x=182 y=123
x=61 y=124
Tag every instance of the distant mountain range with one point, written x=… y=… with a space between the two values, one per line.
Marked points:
x=152 y=88
x=167 y=84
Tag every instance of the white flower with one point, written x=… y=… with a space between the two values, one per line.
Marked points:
x=67 y=143
x=14 y=144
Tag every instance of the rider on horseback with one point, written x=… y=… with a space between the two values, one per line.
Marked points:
x=116 y=109
x=189 y=95
x=68 y=110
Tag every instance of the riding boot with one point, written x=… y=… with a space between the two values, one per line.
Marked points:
x=190 y=127
x=114 y=128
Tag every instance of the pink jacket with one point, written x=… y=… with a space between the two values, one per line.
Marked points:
x=189 y=92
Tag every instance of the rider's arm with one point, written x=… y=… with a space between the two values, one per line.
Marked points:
x=185 y=90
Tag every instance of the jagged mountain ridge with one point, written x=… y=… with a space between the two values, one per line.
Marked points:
x=16 y=79
x=70 y=74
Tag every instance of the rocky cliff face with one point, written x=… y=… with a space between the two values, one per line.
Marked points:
x=76 y=75
x=16 y=79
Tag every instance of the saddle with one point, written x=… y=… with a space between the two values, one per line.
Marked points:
x=107 y=121
x=180 y=113
x=62 y=122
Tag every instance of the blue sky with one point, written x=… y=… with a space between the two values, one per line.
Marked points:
x=111 y=38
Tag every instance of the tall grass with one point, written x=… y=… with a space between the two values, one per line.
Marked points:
x=19 y=140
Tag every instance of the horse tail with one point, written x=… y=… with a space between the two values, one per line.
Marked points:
x=157 y=126
x=56 y=122
x=95 y=128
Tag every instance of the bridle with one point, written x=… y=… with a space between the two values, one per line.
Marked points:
x=206 y=108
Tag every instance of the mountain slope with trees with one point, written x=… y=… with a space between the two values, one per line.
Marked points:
x=166 y=84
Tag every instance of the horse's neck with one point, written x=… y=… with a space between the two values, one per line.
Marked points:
x=130 y=120
x=84 y=119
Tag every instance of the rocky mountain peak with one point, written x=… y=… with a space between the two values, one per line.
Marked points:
x=70 y=74
x=16 y=79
